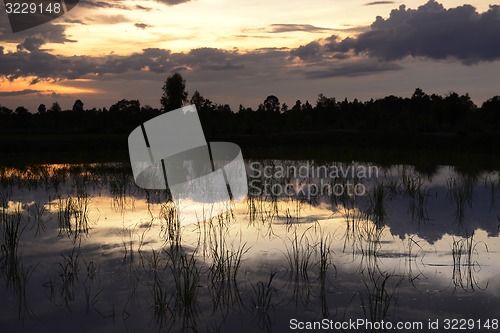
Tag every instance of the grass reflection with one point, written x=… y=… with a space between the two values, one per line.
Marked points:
x=273 y=256
x=465 y=265
x=73 y=215
x=14 y=273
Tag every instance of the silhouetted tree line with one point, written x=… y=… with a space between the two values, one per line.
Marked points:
x=422 y=113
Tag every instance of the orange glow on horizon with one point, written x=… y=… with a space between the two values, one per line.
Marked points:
x=45 y=87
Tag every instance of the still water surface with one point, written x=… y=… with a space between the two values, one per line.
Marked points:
x=84 y=249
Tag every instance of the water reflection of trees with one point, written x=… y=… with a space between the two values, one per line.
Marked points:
x=179 y=281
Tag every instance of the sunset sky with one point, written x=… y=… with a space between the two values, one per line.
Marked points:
x=239 y=52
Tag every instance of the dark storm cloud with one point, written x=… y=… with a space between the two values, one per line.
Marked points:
x=314 y=52
x=49 y=32
x=116 y=4
x=279 y=28
x=430 y=31
x=252 y=36
x=332 y=43
x=172 y=2
x=354 y=29
x=142 y=26
x=33 y=39
x=44 y=65
x=152 y=59
x=283 y=28
x=108 y=19
x=31 y=43
x=323 y=62
x=374 y=3
x=38 y=63
x=30 y=61
x=103 y=4
x=143 y=8
x=211 y=59
x=73 y=21
x=352 y=69
x=18 y=93
x=308 y=52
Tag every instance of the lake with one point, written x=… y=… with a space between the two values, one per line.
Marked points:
x=353 y=247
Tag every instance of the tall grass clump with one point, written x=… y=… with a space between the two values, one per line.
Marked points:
x=69 y=269
x=160 y=292
x=378 y=298
x=170 y=227
x=299 y=254
x=369 y=247
x=16 y=276
x=363 y=237
x=299 y=257
x=11 y=231
x=354 y=219
x=464 y=252
x=377 y=209
x=324 y=249
x=226 y=260
x=262 y=303
x=411 y=257
x=461 y=192
x=186 y=278
x=36 y=212
x=73 y=215
x=118 y=189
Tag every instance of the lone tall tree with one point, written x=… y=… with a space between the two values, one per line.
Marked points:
x=78 y=106
x=174 y=92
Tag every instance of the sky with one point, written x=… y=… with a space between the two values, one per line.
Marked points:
x=239 y=52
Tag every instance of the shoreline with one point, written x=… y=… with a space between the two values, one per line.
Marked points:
x=471 y=151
